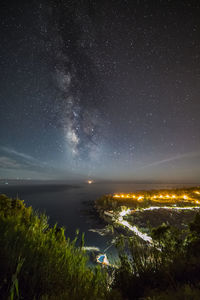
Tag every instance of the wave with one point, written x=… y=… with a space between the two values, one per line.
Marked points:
x=102 y=232
x=91 y=248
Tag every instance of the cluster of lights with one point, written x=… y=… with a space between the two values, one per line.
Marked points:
x=128 y=211
x=140 y=197
x=154 y=197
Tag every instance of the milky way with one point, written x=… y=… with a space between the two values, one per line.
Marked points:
x=76 y=105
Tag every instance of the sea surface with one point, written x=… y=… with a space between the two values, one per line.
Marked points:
x=70 y=205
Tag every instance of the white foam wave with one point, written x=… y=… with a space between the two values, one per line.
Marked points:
x=101 y=232
x=91 y=248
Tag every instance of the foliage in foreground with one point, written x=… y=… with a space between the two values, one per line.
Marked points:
x=168 y=270
x=38 y=262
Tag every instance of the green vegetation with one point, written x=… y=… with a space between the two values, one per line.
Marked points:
x=146 y=220
x=38 y=262
x=168 y=270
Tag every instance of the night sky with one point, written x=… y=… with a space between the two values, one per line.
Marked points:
x=107 y=90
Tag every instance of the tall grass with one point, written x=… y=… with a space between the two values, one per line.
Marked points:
x=38 y=262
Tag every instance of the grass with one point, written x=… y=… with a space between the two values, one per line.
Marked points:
x=38 y=262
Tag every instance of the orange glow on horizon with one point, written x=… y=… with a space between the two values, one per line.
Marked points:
x=116 y=196
x=164 y=197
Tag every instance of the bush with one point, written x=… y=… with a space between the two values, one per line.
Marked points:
x=38 y=262
x=170 y=269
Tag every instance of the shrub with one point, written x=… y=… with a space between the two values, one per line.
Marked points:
x=38 y=262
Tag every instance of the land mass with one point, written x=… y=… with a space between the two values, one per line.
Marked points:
x=163 y=262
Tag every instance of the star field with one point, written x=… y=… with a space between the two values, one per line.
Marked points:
x=101 y=89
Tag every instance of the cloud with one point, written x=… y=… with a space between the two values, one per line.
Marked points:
x=21 y=162
x=24 y=162
x=8 y=163
x=17 y=164
x=170 y=159
x=27 y=159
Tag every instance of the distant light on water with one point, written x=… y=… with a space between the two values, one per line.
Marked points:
x=90 y=181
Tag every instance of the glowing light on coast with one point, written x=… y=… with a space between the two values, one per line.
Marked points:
x=170 y=208
x=125 y=212
x=156 y=197
x=143 y=236
x=116 y=196
x=163 y=198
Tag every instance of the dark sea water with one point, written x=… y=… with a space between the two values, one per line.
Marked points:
x=68 y=206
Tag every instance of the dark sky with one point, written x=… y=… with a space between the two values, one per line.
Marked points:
x=100 y=89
